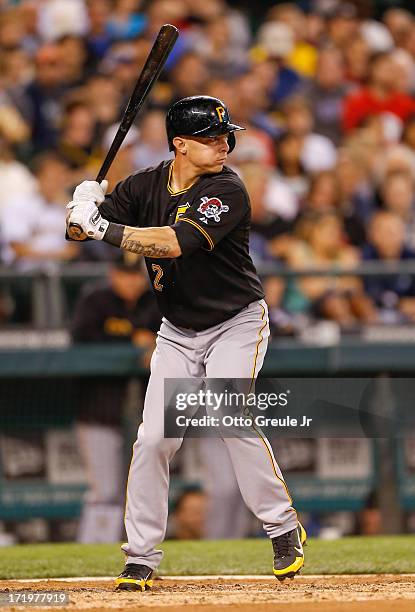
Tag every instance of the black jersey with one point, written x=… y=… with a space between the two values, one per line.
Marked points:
x=214 y=278
x=103 y=316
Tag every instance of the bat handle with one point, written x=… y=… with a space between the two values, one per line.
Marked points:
x=75 y=232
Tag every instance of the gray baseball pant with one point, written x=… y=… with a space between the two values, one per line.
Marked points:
x=233 y=349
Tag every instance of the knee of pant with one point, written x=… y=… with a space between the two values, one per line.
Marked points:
x=159 y=445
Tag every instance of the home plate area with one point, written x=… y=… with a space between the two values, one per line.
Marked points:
x=361 y=593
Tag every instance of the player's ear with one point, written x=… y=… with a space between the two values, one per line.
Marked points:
x=180 y=145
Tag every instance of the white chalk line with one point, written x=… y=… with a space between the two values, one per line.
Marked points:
x=210 y=577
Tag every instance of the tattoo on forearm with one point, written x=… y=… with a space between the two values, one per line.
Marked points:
x=130 y=239
x=146 y=242
x=114 y=234
x=149 y=250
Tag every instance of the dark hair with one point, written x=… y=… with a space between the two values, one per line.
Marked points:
x=189 y=490
x=42 y=159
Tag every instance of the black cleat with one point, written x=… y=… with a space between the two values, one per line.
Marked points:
x=135 y=578
x=288 y=552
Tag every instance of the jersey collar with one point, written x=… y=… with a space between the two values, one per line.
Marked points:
x=169 y=187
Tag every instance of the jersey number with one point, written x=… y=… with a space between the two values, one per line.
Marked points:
x=159 y=273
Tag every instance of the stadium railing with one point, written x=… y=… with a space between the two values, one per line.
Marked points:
x=49 y=283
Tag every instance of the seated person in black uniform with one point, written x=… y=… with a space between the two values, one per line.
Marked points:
x=119 y=309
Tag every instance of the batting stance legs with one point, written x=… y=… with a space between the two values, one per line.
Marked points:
x=234 y=349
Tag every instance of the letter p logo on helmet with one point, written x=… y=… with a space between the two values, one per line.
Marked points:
x=221 y=113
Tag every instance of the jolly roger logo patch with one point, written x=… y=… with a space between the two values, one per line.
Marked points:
x=211 y=208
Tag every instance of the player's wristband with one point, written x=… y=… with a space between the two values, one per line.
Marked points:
x=114 y=234
x=100 y=231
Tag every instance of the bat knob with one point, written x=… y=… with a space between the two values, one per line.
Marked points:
x=75 y=232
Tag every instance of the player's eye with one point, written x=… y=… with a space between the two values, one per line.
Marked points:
x=220 y=139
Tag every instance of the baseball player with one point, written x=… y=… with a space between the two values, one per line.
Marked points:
x=190 y=218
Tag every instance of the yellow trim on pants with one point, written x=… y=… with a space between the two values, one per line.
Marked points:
x=263 y=440
x=257 y=347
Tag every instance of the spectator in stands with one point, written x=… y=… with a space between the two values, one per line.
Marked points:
x=123 y=309
x=318 y=152
x=370 y=519
x=247 y=102
x=17 y=182
x=151 y=146
x=103 y=97
x=325 y=94
x=356 y=192
x=126 y=21
x=303 y=56
x=399 y=23
x=410 y=41
x=357 y=60
x=124 y=162
x=397 y=158
x=380 y=96
x=32 y=227
x=281 y=321
x=99 y=39
x=189 y=76
x=74 y=54
x=12 y=29
x=405 y=71
x=123 y=63
x=275 y=44
x=77 y=143
x=223 y=58
x=290 y=169
x=189 y=515
x=325 y=196
x=321 y=245
x=398 y=196
x=342 y=24
x=15 y=70
x=203 y=12
x=408 y=134
x=164 y=11
x=393 y=295
x=40 y=100
x=273 y=207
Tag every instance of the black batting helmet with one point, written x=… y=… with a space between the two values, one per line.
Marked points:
x=200 y=116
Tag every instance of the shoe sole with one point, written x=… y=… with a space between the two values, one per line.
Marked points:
x=291 y=576
x=290 y=573
x=133 y=585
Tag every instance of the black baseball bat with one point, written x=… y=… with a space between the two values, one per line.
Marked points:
x=156 y=59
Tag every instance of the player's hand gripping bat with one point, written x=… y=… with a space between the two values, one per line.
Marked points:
x=157 y=57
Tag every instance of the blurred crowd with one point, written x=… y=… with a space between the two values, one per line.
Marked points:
x=326 y=94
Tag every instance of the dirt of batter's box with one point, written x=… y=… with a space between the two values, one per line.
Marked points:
x=371 y=593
